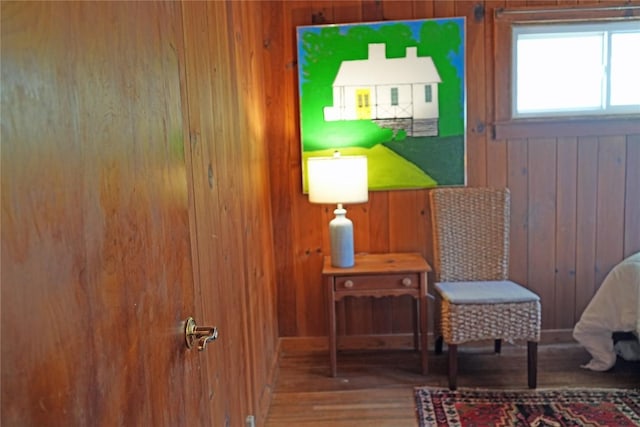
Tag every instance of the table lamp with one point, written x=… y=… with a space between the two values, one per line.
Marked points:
x=340 y=180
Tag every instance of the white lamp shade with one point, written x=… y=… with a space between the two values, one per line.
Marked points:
x=338 y=179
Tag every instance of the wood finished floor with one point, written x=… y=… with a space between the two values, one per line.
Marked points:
x=375 y=388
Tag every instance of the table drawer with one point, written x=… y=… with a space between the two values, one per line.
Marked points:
x=386 y=281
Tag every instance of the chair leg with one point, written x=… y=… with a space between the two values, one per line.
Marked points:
x=532 y=363
x=453 y=365
x=497 y=346
x=438 y=344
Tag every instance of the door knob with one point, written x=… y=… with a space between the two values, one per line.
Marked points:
x=202 y=334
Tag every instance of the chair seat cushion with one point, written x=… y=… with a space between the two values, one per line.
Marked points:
x=485 y=292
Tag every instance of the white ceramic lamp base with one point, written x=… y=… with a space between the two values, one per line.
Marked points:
x=341 y=236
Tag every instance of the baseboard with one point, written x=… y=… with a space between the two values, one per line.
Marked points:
x=557 y=336
x=392 y=341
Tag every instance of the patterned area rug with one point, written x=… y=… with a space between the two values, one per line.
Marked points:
x=535 y=408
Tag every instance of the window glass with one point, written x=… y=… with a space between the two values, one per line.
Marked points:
x=575 y=69
x=428 y=96
x=625 y=68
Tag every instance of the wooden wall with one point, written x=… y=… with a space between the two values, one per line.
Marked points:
x=135 y=193
x=231 y=192
x=575 y=201
x=151 y=170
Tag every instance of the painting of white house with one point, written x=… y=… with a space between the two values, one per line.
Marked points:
x=398 y=92
x=393 y=91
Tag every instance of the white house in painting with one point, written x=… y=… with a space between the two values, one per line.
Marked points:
x=400 y=93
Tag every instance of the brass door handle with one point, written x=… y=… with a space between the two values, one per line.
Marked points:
x=202 y=334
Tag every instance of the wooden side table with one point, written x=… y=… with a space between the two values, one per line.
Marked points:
x=379 y=275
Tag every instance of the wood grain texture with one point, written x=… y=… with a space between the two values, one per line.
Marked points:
x=565 y=236
x=542 y=224
x=231 y=203
x=554 y=185
x=610 y=204
x=518 y=183
x=376 y=387
x=632 y=195
x=201 y=154
x=475 y=44
x=135 y=193
x=150 y=158
x=586 y=211
x=96 y=263
x=496 y=149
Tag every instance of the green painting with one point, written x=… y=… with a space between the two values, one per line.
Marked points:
x=393 y=91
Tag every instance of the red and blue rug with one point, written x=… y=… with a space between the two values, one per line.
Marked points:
x=535 y=408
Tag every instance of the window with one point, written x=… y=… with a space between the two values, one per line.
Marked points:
x=571 y=69
x=567 y=71
x=394 y=96
x=428 y=95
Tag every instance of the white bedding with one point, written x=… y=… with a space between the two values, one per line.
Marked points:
x=614 y=308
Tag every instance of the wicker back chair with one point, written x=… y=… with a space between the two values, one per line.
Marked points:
x=476 y=301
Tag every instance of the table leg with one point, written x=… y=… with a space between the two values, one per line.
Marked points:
x=416 y=324
x=424 y=323
x=331 y=305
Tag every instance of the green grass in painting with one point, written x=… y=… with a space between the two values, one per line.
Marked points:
x=441 y=158
x=387 y=169
x=343 y=133
x=421 y=162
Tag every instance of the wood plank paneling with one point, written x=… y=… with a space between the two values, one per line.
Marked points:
x=476 y=91
x=256 y=231
x=423 y=9
x=566 y=183
x=322 y=11
x=231 y=191
x=444 y=9
x=541 y=219
x=496 y=149
x=95 y=191
x=406 y=226
x=565 y=237
x=559 y=218
x=379 y=205
x=96 y=265
x=610 y=205
x=518 y=183
x=200 y=155
x=372 y=10
x=397 y=9
x=586 y=210
x=279 y=81
x=632 y=192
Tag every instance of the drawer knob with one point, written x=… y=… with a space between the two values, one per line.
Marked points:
x=406 y=282
x=348 y=284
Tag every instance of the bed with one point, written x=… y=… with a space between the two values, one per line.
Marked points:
x=614 y=308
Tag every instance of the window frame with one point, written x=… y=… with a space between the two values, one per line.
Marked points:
x=505 y=125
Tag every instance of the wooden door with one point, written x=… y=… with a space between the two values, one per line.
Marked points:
x=96 y=255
